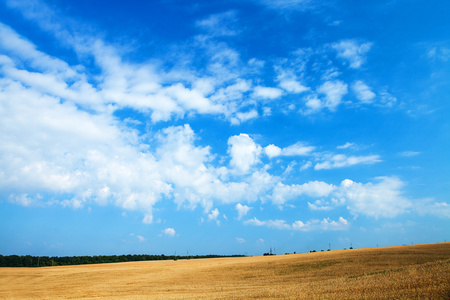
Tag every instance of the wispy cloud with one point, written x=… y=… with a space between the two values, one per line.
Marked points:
x=288 y=4
x=311 y=225
x=240 y=240
x=346 y=146
x=341 y=161
x=353 y=52
x=409 y=153
x=65 y=137
x=297 y=149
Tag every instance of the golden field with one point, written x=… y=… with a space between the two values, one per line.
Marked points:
x=404 y=272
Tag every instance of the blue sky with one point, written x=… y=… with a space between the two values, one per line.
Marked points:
x=225 y=127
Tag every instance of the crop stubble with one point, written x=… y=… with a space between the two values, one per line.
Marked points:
x=404 y=272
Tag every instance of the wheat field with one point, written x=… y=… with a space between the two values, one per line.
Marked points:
x=404 y=272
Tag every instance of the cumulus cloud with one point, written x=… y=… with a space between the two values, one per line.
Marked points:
x=213 y=215
x=283 y=193
x=381 y=199
x=267 y=92
x=272 y=151
x=352 y=52
x=431 y=207
x=242 y=210
x=244 y=116
x=334 y=91
x=169 y=232
x=63 y=142
x=313 y=104
x=293 y=86
x=141 y=238
x=324 y=225
x=244 y=152
x=363 y=92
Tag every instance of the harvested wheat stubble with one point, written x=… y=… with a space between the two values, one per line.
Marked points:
x=405 y=272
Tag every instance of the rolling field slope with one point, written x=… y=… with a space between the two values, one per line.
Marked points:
x=404 y=272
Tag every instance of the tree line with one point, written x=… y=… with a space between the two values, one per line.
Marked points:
x=46 y=261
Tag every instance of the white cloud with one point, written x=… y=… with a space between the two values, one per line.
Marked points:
x=240 y=240
x=409 y=153
x=267 y=92
x=313 y=104
x=312 y=225
x=334 y=91
x=287 y=4
x=439 y=53
x=363 y=92
x=431 y=207
x=62 y=143
x=283 y=193
x=242 y=210
x=346 y=146
x=244 y=152
x=272 y=151
x=141 y=238
x=352 y=52
x=53 y=147
x=297 y=149
x=387 y=100
x=219 y=24
x=292 y=86
x=382 y=199
x=213 y=215
x=169 y=232
x=341 y=161
x=254 y=222
x=325 y=204
x=324 y=225
x=306 y=166
x=244 y=116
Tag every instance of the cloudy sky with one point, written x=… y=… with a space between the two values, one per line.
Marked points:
x=224 y=127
